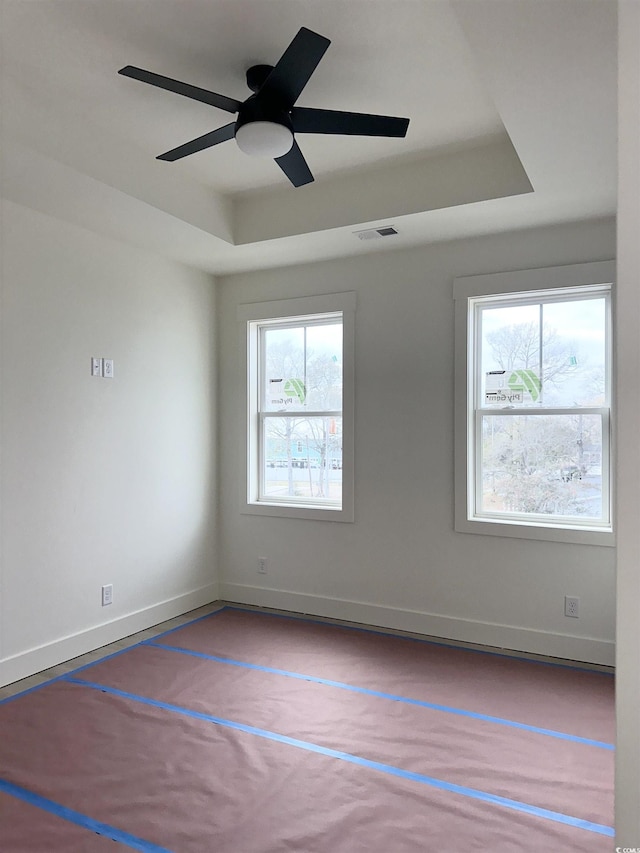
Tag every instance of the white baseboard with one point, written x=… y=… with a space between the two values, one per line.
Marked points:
x=564 y=646
x=35 y=660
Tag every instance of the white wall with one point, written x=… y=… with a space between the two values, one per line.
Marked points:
x=115 y=481
x=401 y=564
x=628 y=345
x=102 y=481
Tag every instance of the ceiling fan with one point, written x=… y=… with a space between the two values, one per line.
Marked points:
x=268 y=120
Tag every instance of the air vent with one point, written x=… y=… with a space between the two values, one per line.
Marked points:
x=375 y=233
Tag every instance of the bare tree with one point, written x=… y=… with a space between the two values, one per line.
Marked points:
x=518 y=347
x=324 y=378
x=535 y=463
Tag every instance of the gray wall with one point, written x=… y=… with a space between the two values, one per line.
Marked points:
x=401 y=564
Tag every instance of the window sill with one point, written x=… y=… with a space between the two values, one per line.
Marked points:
x=312 y=513
x=523 y=530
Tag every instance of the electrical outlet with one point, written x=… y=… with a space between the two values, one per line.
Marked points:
x=262 y=565
x=571 y=606
x=107 y=368
x=107 y=594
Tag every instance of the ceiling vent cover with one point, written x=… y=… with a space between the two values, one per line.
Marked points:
x=375 y=233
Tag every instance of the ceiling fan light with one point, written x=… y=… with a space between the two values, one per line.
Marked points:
x=264 y=139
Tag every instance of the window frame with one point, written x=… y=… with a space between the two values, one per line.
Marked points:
x=251 y=316
x=523 y=285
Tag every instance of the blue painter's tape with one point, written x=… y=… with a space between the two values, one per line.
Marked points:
x=79 y=819
x=440 y=784
x=418 y=702
x=422 y=640
x=187 y=624
x=96 y=662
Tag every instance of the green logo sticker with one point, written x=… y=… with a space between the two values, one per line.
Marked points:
x=295 y=388
x=526 y=380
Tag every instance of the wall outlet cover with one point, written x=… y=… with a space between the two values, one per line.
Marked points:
x=572 y=606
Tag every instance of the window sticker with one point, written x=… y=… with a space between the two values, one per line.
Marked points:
x=286 y=392
x=508 y=387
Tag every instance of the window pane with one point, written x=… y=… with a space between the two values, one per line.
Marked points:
x=283 y=369
x=542 y=465
x=510 y=356
x=574 y=353
x=303 y=458
x=548 y=354
x=303 y=368
x=324 y=367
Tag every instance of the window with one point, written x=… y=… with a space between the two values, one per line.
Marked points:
x=533 y=404
x=299 y=447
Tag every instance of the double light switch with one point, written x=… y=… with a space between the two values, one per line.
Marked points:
x=102 y=367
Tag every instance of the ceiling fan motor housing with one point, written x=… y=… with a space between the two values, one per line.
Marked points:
x=260 y=109
x=272 y=135
x=256 y=76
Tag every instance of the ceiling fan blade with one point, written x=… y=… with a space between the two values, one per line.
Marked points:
x=295 y=166
x=222 y=134
x=309 y=120
x=292 y=71
x=193 y=92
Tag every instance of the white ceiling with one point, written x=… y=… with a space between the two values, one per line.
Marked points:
x=512 y=106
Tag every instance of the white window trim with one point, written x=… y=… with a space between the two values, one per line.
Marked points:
x=574 y=275
x=281 y=309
